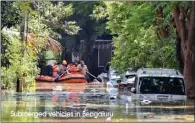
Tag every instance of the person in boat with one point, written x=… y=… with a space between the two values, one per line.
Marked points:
x=82 y=68
x=69 y=68
x=74 y=69
x=63 y=67
x=50 y=65
x=55 y=70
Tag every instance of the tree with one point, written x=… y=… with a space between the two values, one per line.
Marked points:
x=9 y=14
x=184 y=18
x=90 y=29
x=21 y=55
x=130 y=21
x=51 y=19
x=136 y=44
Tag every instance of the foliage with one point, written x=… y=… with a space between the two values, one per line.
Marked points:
x=4 y=45
x=44 y=19
x=145 y=51
x=51 y=19
x=136 y=44
x=25 y=66
x=9 y=14
x=38 y=43
x=90 y=30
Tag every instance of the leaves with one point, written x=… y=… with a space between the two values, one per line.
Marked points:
x=40 y=42
x=19 y=65
x=9 y=14
x=136 y=43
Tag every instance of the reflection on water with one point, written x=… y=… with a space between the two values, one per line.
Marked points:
x=86 y=105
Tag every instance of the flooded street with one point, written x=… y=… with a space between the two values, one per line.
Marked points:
x=89 y=104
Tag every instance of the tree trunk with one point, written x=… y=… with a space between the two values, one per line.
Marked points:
x=185 y=26
x=179 y=54
x=162 y=31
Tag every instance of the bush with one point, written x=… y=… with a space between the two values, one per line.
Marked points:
x=20 y=65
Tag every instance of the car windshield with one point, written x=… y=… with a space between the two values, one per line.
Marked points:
x=162 y=85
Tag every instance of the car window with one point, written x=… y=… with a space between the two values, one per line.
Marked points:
x=162 y=85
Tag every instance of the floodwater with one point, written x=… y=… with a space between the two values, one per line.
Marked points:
x=88 y=104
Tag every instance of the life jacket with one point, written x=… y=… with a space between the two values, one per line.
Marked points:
x=54 y=69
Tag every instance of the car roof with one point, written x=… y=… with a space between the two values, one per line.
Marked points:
x=159 y=72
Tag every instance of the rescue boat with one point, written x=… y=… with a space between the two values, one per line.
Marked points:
x=74 y=77
x=45 y=78
x=71 y=78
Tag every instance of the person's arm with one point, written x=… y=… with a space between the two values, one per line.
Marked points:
x=86 y=68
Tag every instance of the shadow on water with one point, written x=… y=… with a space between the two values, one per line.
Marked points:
x=89 y=104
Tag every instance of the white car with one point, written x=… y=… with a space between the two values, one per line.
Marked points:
x=159 y=85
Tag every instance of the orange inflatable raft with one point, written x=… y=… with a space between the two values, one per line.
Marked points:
x=71 y=78
x=45 y=78
x=74 y=77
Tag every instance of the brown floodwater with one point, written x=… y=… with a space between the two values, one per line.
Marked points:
x=87 y=103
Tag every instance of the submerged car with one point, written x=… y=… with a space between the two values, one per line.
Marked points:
x=128 y=80
x=158 y=85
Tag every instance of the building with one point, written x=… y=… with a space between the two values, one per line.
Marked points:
x=100 y=56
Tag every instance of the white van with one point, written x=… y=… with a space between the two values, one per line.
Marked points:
x=158 y=85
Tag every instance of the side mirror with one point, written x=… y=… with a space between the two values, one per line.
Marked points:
x=133 y=90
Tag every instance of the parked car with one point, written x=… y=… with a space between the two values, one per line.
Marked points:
x=158 y=85
x=128 y=80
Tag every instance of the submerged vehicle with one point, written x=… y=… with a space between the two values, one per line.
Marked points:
x=158 y=92
x=128 y=80
x=158 y=85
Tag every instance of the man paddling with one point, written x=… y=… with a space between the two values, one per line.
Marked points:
x=83 y=69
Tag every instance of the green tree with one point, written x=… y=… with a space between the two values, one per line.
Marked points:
x=136 y=43
x=13 y=54
x=172 y=21
x=9 y=14
x=21 y=57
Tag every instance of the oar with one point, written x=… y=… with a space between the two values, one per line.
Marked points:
x=95 y=77
x=60 y=76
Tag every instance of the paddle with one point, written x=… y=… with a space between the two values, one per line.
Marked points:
x=94 y=77
x=60 y=75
